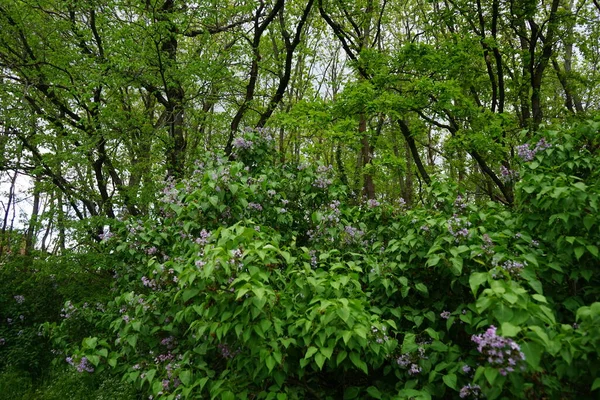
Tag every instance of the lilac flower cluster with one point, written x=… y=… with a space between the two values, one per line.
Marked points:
x=226 y=351
x=527 y=154
x=150 y=283
x=242 y=144
x=407 y=359
x=372 y=203
x=203 y=239
x=68 y=310
x=514 y=268
x=236 y=258
x=352 y=234
x=255 y=206
x=323 y=181
x=106 y=236
x=488 y=244
x=458 y=228
x=84 y=364
x=501 y=352
x=152 y=250
x=19 y=298
x=445 y=314
x=380 y=334
x=404 y=361
x=508 y=175
x=470 y=390
x=170 y=192
x=2 y=341
x=313 y=258
x=460 y=203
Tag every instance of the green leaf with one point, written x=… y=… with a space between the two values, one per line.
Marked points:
x=351 y=393
x=533 y=353
x=341 y=357
x=421 y=288
x=270 y=361
x=320 y=360
x=579 y=252
x=189 y=293
x=355 y=358
x=310 y=352
x=509 y=329
x=185 y=377
x=90 y=343
x=374 y=392
x=450 y=380
x=491 y=374
x=476 y=279
x=592 y=249
x=596 y=384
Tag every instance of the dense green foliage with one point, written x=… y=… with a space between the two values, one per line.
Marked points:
x=410 y=212
x=255 y=280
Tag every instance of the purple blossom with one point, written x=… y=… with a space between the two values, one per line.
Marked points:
x=414 y=369
x=460 y=203
x=508 y=175
x=19 y=299
x=501 y=352
x=470 y=390
x=445 y=314
x=403 y=360
x=84 y=365
x=514 y=268
x=466 y=369
x=528 y=154
x=241 y=143
x=2 y=341
x=151 y=250
x=372 y=203
x=203 y=239
x=148 y=282
x=458 y=228
x=255 y=206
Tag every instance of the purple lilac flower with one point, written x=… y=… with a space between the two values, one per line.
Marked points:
x=460 y=203
x=445 y=314
x=488 y=244
x=2 y=341
x=470 y=390
x=241 y=143
x=68 y=310
x=84 y=364
x=225 y=351
x=106 y=236
x=152 y=250
x=19 y=299
x=528 y=154
x=126 y=318
x=403 y=360
x=458 y=228
x=255 y=206
x=414 y=369
x=501 y=352
x=148 y=282
x=514 y=267
x=508 y=175
x=372 y=203
x=313 y=258
x=466 y=369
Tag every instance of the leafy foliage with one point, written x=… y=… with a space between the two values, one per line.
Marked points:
x=252 y=280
